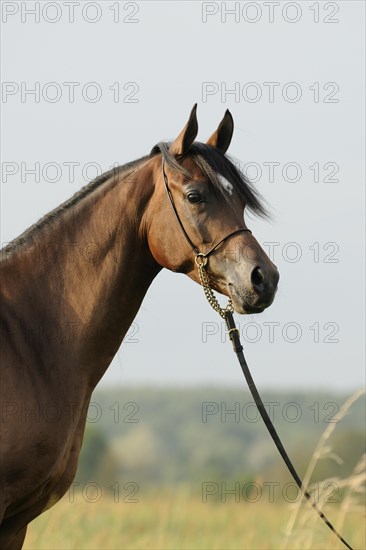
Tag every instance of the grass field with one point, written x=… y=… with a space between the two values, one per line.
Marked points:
x=179 y=520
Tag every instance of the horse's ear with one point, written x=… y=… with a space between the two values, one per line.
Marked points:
x=187 y=136
x=221 y=138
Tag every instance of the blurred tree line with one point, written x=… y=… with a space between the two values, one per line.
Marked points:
x=154 y=437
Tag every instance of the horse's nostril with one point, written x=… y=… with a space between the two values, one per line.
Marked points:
x=258 y=279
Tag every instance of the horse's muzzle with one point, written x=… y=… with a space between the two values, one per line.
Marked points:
x=259 y=294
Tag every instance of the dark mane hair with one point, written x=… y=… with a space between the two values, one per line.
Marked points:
x=214 y=164
x=210 y=160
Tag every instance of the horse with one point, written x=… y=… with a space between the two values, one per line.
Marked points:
x=73 y=282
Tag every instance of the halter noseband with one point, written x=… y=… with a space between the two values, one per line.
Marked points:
x=201 y=257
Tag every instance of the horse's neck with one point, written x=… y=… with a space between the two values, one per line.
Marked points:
x=85 y=276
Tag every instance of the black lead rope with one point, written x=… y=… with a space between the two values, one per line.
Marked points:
x=201 y=261
x=238 y=348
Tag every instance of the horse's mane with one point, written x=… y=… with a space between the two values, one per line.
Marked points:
x=210 y=160
x=29 y=233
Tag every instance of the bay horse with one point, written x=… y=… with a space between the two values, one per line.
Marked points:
x=72 y=284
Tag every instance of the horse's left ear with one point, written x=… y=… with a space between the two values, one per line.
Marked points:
x=221 y=138
x=187 y=136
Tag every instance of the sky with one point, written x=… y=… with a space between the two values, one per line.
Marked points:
x=87 y=85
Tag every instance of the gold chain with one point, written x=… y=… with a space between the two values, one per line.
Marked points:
x=201 y=261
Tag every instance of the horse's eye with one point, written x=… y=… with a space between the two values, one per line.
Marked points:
x=194 y=197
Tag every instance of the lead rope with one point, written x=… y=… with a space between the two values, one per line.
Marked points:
x=227 y=314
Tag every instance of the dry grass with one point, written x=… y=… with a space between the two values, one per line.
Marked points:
x=172 y=521
x=353 y=486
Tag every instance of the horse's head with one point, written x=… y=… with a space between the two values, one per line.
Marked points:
x=201 y=203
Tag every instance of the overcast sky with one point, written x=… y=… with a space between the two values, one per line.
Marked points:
x=111 y=79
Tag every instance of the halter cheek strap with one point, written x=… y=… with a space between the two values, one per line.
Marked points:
x=197 y=253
